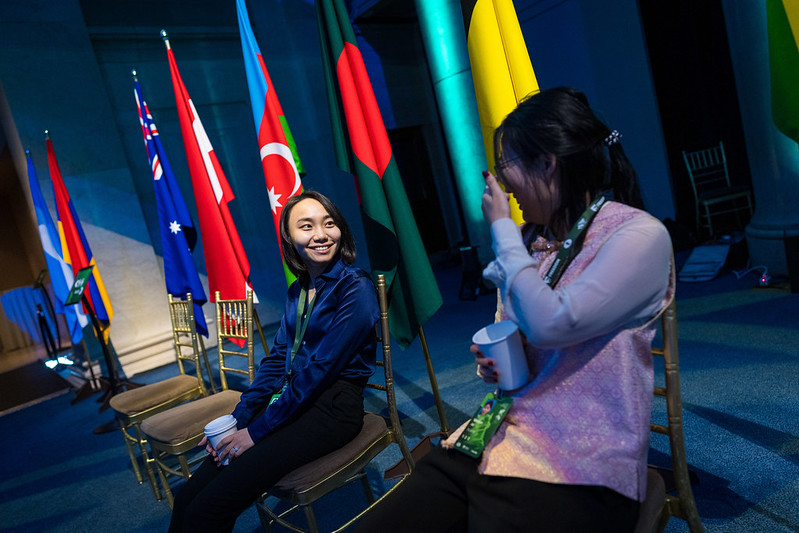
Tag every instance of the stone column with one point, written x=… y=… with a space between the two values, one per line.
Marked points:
x=773 y=157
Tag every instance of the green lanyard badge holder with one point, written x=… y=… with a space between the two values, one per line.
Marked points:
x=303 y=317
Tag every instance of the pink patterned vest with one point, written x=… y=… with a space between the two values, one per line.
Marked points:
x=584 y=418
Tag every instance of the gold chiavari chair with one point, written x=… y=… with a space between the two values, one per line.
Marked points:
x=310 y=482
x=133 y=406
x=174 y=434
x=660 y=505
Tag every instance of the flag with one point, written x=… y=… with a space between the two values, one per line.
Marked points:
x=61 y=276
x=225 y=260
x=279 y=157
x=178 y=235
x=362 y=148
x=75 y=247
x=501 y=68
x=783 y=42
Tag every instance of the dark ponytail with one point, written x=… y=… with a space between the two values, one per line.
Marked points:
x=560 y=122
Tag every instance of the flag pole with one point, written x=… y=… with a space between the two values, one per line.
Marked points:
x=433 y=382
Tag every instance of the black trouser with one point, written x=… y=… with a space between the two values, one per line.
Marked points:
x=446 y=494
x=214 y=497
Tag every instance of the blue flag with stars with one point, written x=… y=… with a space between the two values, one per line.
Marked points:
x=178 y=235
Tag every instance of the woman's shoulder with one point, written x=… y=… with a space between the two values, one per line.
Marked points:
x=354 y=277
x=622 y=221
x=624 y=214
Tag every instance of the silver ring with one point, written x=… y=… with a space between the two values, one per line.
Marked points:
x=235 y=449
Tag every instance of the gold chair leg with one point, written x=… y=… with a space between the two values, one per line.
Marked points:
x=311 y=517
x=266 y=520
x=148 y=466
x=129 y=447
x=162 y=476
x=367 y=488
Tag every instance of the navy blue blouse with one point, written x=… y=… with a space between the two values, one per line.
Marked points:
x=339 y=342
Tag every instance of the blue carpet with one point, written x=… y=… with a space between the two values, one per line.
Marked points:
x=739 y=366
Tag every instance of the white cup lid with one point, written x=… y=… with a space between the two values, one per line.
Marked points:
x=218 y=425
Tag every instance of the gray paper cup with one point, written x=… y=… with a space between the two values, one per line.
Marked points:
x=503 y=343
x=219 y=428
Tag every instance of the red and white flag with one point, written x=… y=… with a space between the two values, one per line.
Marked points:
x=225 y=259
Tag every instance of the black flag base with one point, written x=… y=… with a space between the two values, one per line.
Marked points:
x=108 y=427
x=111 y=387
x=85 y=390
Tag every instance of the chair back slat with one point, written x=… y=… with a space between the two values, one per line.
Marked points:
x=682 y=504
x=714 y=195
x=388 y=372
x=707 y=169
x=235 y=323
x=185 y=338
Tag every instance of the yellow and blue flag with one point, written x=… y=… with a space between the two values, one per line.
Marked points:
x=76 y=249
x=61 y=275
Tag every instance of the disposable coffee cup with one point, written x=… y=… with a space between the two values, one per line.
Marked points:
x=502 y=342
x=219 y=428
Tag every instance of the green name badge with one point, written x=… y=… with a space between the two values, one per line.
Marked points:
x=483 y=425
x=276 y=395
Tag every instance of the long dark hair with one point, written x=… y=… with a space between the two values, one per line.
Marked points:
x=346 y=247
x=560 y=122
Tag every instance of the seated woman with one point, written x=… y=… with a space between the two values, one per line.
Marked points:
x=307 y=397
x=570 y=455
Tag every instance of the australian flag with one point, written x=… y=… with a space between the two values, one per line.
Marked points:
x=178 y=235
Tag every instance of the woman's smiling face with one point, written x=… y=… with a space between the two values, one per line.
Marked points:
x=315 y=235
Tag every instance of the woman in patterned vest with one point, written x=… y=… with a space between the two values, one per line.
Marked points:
x=584 y=279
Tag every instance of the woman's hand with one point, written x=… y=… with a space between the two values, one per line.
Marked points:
x=495 y=202
x=231 y=446
x=485 y=366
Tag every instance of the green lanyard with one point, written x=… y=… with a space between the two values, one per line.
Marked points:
x=568 y=251
x=302 y=325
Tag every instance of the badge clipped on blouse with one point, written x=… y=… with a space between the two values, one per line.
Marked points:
x=276 y=395
x=483 y=425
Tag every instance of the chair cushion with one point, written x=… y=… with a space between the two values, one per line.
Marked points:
x=134 y=401
x=650 y=507
x=188 y=420
x=306 y=476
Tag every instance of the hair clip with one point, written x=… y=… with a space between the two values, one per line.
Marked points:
x=612 y=139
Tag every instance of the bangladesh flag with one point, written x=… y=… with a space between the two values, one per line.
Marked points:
x=362 y=148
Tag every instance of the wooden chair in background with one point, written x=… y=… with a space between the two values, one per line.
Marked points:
x=659 y=504
x=302 y=487
x=174 y=434
x=713 y=193
x=133 y=406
